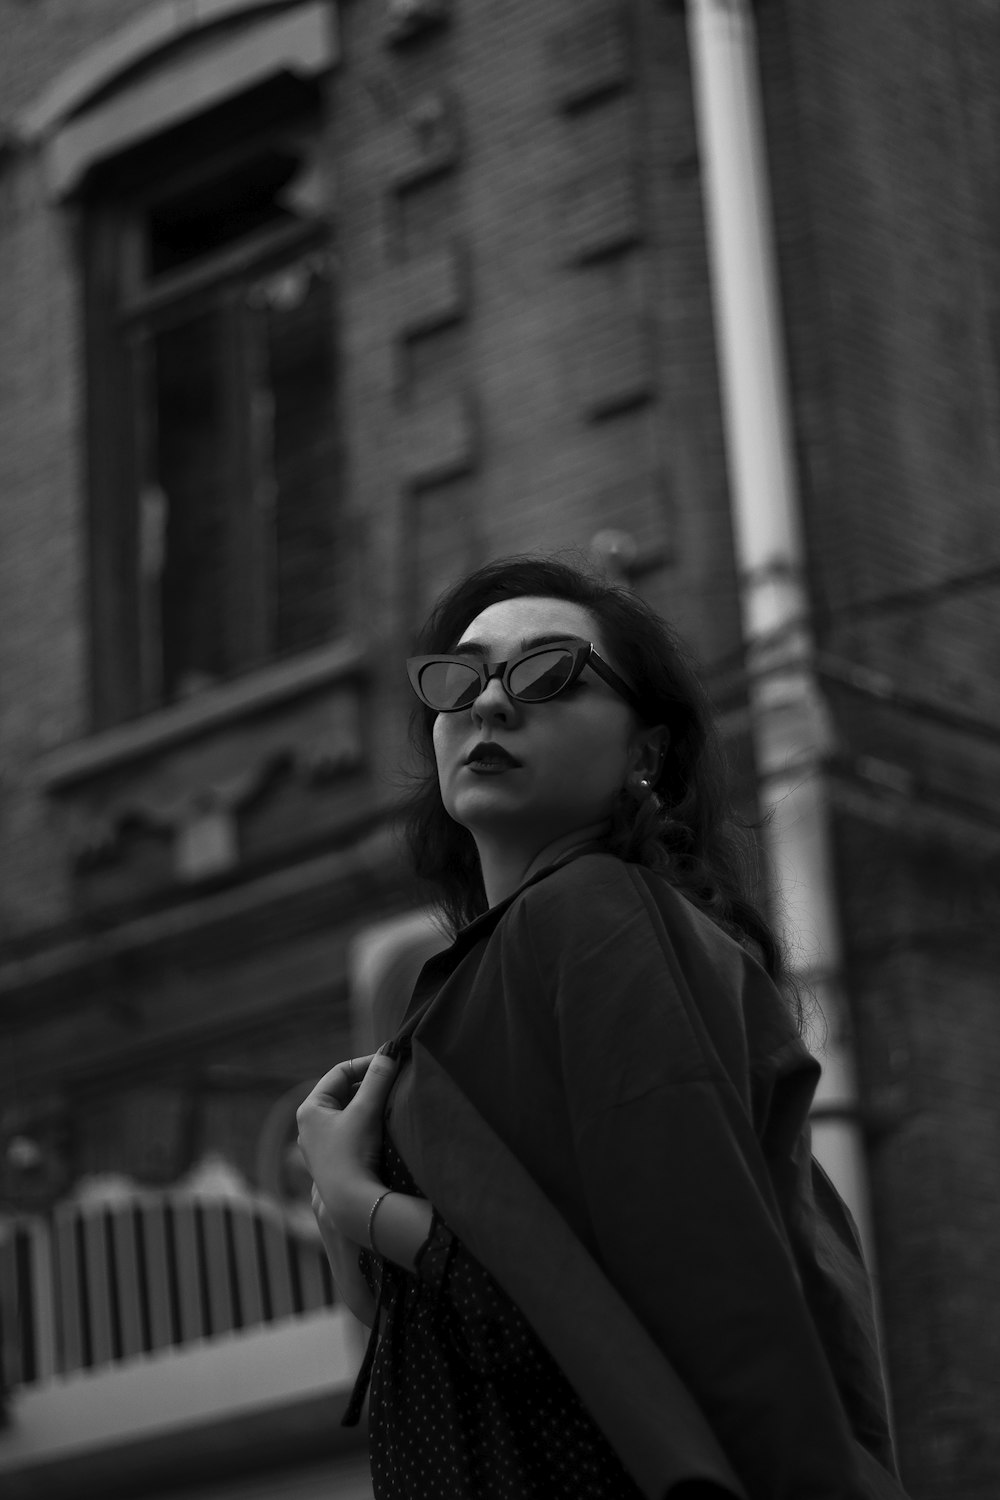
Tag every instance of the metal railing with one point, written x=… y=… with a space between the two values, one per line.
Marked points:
x=103 y=1282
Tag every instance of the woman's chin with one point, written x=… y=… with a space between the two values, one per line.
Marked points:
x=489 y=798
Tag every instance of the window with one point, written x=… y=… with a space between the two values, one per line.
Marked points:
x=213 y=459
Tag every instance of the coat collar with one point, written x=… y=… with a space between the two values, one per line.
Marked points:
x=440 y=965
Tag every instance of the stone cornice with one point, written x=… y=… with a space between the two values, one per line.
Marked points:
x=276 y=906
x=68 y=765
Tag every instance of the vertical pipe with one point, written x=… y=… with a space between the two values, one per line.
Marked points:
x=790 y=727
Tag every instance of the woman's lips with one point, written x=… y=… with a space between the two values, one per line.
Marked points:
x=490 y=760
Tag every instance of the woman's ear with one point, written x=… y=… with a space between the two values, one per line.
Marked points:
x=649 y=747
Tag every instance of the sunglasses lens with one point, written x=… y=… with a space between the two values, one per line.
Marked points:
x=448 y=685
x=542 y=675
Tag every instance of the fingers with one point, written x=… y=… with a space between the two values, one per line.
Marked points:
x=362 y=1080
x=337 y=1088
x=378 y=1080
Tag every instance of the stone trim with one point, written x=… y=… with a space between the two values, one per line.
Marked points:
x=437 y=442
x=73 y=967
x=217 y=707
x=425 y=142
x=615 y=372
x=430 y=292
x=590 y=57
x=155 y=31
x=599 y=215
x=298 y=41
x=411 y=18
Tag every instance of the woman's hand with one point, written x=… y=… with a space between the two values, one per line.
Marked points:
x=340 y=1136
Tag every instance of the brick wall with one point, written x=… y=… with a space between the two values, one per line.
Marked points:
x=882 y=160
x=526 y=347
x=42 y=648
x=40 y=41
x=543 y=204
x=883 y=139
x=42 y=572
x=526 y=315
x=527 y=359
x=921 y=919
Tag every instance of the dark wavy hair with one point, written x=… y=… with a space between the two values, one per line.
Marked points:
x=687 y=829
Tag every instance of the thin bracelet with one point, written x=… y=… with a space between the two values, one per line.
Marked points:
x=371 y=1218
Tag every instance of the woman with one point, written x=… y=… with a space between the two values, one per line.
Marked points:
x=579 y=1175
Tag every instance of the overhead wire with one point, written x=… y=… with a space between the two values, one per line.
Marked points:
x=871 y=684
x=920 y=597
x=868 y=683
x=860 y=680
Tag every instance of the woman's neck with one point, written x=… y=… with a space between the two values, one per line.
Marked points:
x=506 y=867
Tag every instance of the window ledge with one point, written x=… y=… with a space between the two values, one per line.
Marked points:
x=217 y=707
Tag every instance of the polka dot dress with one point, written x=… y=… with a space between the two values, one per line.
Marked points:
x=466 y=1403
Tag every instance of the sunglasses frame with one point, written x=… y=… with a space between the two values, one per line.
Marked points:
x=584 y=655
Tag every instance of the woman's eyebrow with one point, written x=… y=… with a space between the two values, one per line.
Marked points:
x=477 y=648
x=546 y=640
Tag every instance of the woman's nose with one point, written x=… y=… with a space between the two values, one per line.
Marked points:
x=494 y=705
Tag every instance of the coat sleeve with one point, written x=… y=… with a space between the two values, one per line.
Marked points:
x=676 y=1186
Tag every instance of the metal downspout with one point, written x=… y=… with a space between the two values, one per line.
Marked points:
x=790 y=726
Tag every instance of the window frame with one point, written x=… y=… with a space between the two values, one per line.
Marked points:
x=121 y=310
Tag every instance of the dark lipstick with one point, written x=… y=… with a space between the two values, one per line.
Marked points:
x=487 y=754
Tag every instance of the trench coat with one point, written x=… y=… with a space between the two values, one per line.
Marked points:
x=606 y=1099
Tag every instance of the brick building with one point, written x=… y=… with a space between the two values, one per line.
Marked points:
x=307 y=307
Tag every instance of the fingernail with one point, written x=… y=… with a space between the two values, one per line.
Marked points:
x=389 y=1049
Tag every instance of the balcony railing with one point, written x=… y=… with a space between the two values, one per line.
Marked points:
x=103 y=1282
